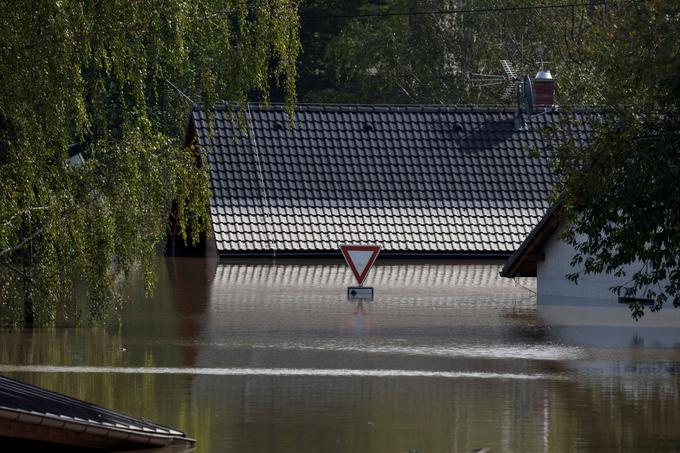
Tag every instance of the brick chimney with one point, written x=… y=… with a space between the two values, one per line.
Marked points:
x=544 y=89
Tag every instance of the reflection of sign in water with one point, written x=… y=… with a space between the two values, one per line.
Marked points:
x=360 y=258
x=359 y=320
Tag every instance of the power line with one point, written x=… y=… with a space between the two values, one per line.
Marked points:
x=182 y=93
x=457 y=11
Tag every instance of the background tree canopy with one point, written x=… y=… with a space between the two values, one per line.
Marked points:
x=107 y=75
x=423 y=51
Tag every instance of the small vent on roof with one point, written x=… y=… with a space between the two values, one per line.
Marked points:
x=278 y=126
x=457 y=128
x=368 y=127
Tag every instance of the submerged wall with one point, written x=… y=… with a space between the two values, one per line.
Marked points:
x=552 y=281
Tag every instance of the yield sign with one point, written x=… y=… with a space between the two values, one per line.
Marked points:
x=360 y=259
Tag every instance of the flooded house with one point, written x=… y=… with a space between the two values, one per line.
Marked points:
x=421 y=181
x=590 y=304
x=548 y=258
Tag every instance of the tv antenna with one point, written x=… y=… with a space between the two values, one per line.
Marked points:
x=508 y=79
x=512 y=84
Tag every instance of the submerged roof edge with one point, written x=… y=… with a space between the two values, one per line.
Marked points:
x=117 y=434
x=383 y=254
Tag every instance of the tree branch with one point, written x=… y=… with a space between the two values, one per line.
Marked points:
x=26 y=240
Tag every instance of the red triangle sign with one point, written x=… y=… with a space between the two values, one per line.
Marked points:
x=360 y=258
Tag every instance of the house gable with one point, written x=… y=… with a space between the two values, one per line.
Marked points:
x=545 y=256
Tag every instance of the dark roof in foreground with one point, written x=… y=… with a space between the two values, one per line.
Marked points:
x=34 y=414
x=523 y=263
x=418 y=180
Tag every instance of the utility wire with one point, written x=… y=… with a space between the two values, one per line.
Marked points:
x=457 y=11
x=182 y=93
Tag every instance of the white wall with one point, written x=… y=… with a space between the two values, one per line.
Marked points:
x=551 y=280
x=589 y=313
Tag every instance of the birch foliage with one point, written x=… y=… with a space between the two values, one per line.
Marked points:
x=117 y=77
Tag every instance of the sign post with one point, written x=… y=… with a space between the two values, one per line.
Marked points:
x=360 y=258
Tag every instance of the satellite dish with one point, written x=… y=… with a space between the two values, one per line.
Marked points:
x=528 y=96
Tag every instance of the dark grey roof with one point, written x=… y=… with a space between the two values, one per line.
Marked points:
x=417 y=180
x=25 y=403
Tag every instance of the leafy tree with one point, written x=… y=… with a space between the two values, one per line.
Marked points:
x=423 y=51
x=117 y=77
x=622 y=196
x=321 y=22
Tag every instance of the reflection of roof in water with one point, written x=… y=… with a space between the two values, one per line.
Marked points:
x=393 y=275
x=286 y=313
x=426 y=284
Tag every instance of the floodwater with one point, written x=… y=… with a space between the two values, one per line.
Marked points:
x=271 y=357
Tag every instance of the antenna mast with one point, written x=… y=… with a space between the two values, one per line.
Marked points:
x=521 y=88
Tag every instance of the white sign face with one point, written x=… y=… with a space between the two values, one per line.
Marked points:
x=360 y=258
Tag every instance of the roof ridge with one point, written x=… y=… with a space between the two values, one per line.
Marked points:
x=361 y=107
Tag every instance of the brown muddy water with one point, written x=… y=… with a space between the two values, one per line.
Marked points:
x=271 y=357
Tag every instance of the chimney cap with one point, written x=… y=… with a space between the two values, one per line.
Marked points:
x=543 y=74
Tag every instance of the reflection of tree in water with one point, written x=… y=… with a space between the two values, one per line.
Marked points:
x=93 y=346
x=150 y=396
x=191 y=281
x=67 y=347
x=629 y=413
x=392 y=414
x=635 y=406
x=637 y=341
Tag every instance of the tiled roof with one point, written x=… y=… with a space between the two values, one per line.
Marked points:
x=30 y=405
x=417 y=180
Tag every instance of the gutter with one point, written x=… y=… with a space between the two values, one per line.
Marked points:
x=313 y=254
